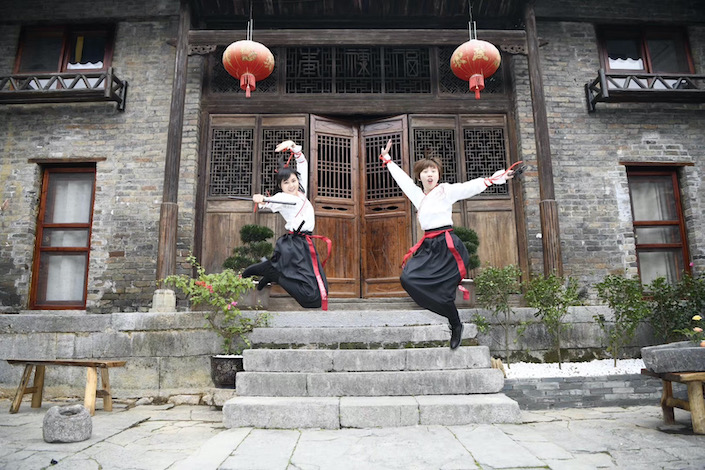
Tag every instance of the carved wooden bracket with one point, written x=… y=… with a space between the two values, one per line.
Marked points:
x=201 y=49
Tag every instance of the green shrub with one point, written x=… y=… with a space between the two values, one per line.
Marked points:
x=255 y=247
x=471 y=241
x=626 y=299
x=494 y=287
x=551 y=296
x=673 y=305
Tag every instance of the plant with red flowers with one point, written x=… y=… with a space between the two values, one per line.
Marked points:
x=220 y=292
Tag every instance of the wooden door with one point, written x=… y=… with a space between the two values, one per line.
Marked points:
x=386 y=212
x=335 y=194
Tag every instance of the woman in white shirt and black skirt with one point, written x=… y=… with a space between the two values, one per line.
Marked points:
x=435 y=266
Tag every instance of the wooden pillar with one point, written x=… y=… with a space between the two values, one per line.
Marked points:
x=168 y=218
x=552 y=261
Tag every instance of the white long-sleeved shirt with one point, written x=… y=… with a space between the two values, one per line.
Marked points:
x=302 y=211
x=435 y=209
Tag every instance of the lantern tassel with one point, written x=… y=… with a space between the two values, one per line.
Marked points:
x=477 y=84
x=247 y=83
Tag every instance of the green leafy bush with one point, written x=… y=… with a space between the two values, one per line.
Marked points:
x=673 y=305
x=494 y=287
x=471 y=241
x=551 y=296
x=626 y=299
x=255 y=247
x=220 y=292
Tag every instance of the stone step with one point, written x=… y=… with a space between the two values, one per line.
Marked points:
x=355 y=360
x=351 y=384
x=277 y=303
x=368 y=412
x=374 y=315
x=359 y=337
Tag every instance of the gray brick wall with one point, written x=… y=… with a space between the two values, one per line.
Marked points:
x=583 y=392
x=590 y=184
x=129 y=181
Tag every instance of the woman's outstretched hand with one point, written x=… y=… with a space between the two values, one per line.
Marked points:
x=257 y=198
x=384 y=153
x=286 y=145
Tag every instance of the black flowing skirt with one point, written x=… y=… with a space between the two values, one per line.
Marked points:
x=292 y=259
x=431 y=276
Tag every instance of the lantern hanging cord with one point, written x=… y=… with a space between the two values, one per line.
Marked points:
x=250 y=24
x=472 y=26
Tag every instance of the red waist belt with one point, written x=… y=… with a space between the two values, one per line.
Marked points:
x=314 y=259
x=451 y=247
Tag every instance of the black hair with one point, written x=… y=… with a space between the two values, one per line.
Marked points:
x=285 y=173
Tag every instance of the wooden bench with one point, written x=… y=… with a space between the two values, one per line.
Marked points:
x=695 y=403
x=37 y=388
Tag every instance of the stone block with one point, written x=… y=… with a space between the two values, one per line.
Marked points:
x=369 y=360
x=468 y=409
x=378 y=412
x=163 y=300
x=288 y=360
x=471 y=357
x=273 y=384
x=282 y=412
x=70 y=423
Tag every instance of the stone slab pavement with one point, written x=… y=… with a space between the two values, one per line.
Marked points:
x=184 y=437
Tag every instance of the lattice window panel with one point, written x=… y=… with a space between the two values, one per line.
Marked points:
x=334 y=169
x=485 y=153
x=271 y=160
x=449 y=83
x=379 y=183
x=230 y=168
x=309 y=70
x=439 y=143
x=407 y=70
x=358 y=70
x=222 y=82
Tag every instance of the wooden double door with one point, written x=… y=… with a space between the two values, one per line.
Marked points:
x=358 y=205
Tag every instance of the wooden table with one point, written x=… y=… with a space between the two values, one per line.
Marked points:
x=37 y=388
x=695 y=403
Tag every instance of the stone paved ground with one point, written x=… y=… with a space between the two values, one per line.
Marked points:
x=193 y=437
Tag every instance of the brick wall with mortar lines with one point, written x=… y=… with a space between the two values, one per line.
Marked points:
x=590 y=185
x=129 y=182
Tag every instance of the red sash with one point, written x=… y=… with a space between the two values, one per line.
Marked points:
x=451 y=247
x=314 y=259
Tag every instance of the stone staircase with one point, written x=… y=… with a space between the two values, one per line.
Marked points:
x=381 y=364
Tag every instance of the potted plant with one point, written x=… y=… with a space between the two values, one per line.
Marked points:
x=471 y=241
x=255 y=248
x=220 y=293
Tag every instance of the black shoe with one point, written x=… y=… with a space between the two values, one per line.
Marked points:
x=259 y=269
x=263 y=283
x=456 y=335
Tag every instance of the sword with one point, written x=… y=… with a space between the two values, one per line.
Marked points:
x=266 y=199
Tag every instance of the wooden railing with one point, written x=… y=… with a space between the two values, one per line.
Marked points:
x=64 y=88
x=644 y=88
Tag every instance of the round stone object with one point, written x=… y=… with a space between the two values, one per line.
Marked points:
x=69 y=423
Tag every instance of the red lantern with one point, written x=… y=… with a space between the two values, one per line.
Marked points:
x=249 y=61
x=474 y=61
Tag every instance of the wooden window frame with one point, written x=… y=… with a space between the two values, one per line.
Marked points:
x=41 y=226
x=671 y=171
x=67 y=32
x=643 y=33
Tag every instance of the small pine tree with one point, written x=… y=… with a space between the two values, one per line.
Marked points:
x=471 y=241
x=255 y=247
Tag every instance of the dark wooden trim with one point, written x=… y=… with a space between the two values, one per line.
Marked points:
x=656 y=164
x=552 y=259
x=40 y=225
x=166 y=257
x=356 y=37
x=518 y=193
x=66 y=160
x=346 y=105
x=203 y=144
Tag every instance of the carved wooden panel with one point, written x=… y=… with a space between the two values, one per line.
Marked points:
x=386 y=225
x=335 y=193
